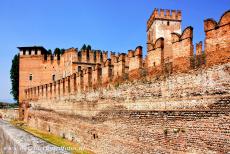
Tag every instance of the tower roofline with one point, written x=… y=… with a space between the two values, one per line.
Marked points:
x=30 y=48
x=164 y=14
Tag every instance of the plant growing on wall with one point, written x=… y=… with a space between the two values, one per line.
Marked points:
x=14 y=76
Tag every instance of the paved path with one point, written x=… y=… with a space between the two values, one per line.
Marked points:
x=14 y=140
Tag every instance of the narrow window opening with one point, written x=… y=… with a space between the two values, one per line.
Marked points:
x=87 y=54
x=31 y=77
x=53 y=77
x=168 y=23
x=79 y=68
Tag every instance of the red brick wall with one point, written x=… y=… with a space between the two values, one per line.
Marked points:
x=182 y=50
x=217 y=42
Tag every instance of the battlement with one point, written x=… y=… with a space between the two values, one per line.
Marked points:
x=93 y=68
x=211 y=24
x=32 y=50
x=187 y=33
x=164 y=14
x=199 y=48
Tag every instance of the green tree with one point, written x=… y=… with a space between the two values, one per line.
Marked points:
x=57 y=51
x=14 y=76
x=62 y=51
x=88 y=48
x=83 y=47
x=49 y=52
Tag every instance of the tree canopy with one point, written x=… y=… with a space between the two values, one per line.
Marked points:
x=83 y=47
x=49 y=52
x=14 y=76
x=86 y=47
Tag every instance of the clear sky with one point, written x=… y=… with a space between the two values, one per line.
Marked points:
x=113 y=25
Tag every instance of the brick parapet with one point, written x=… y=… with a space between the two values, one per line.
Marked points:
x=105 y=70
x=168 y=15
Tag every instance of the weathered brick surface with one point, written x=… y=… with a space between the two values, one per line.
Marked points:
x=217 y=42
x=169 y=115
x=182 y=50
x=169 y=102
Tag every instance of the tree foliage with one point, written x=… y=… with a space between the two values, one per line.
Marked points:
x=88 y=48
x=83 y=47
x=49 y=52
x=14 y=76
x=57 y=51
x=62 y=51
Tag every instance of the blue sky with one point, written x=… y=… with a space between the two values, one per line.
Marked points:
x=113 y=25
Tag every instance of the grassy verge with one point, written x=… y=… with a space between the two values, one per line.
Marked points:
x=53 y=139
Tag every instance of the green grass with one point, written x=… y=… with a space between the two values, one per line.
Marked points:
x=53 y=139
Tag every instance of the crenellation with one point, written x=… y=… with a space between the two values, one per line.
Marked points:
x=168 y=13
x=107 y=72
x=182 y=51
x=166 y=101
x=199 y=48
x=113 y=57
x=217 y=41
x=119 y=67
x=91 y=56
x=105 y=55
x=96 y=76
x=32 y=52
x=97 y=69
x=164 y=14
x=174 y=14
x=155 y=58
x=179 y=14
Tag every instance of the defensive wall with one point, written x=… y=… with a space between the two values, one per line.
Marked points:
x=178 y=103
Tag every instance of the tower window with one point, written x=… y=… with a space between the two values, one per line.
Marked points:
x=79 y=68
x=168 y=23
x=53 y=77
x=31 y=77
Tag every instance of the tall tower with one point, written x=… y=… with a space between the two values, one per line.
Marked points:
x=162 y=24
x=30 y=68
x=31 y=74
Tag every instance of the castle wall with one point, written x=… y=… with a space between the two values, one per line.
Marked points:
x=119 y=67
x=184 y=110
x=107 y=72
x=96 y=76
x=167 y=115
x=182 y=50
x=162 y=24
x=155 y=58
x=217 y=42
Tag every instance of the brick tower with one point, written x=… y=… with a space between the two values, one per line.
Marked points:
x=162 y=24
x=30 y=69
